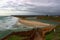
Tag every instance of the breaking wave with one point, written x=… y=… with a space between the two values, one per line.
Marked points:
x=7 y=22
x=11 y=23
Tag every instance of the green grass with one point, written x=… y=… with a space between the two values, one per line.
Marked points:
x=51 y=18
x=16 y=37
x=50 y=36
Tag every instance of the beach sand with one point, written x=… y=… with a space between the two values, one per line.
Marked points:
x=34 y=23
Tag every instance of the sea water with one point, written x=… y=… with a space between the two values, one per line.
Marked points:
x=7 y=22
x=10 y=23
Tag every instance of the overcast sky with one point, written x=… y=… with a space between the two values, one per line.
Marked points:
x=29 y=7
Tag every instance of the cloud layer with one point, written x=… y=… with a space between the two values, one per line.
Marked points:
x=30 y=7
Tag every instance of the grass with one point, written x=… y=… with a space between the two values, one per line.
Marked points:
x=16 y=37
x=50 y=18
x=50 y=36
x=53 y=35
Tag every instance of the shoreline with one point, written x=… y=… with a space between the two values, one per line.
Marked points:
x=33 y=23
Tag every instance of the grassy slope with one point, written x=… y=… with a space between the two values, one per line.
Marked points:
x=49 y=36
x=16 y=37
x=51 y=18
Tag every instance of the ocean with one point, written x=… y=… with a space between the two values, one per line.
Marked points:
x=7 y=22
x=10 y=23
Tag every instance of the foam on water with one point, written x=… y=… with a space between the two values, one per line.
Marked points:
x=7 y=22
x=11 y=23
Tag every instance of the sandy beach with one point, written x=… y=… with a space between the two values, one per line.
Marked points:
x=33 y=23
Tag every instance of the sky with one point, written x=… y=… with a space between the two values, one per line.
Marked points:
x=29 y=7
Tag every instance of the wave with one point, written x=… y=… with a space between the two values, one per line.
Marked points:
x=7 y=22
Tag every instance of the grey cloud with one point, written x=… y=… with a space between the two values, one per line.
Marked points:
x=31 y=9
